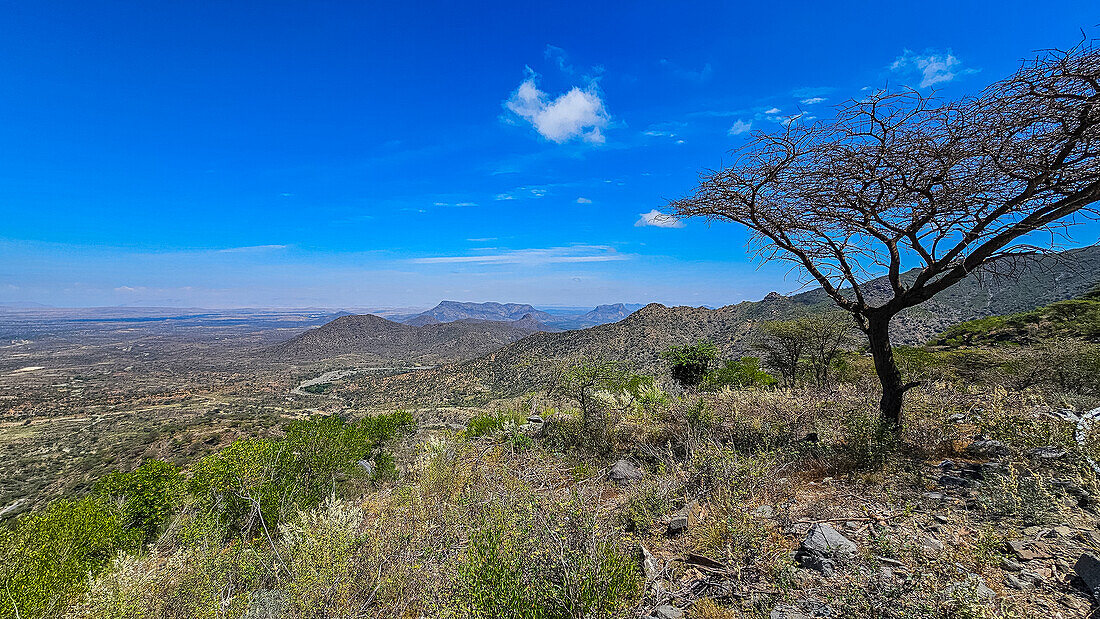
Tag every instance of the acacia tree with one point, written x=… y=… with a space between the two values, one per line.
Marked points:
x=900 y=179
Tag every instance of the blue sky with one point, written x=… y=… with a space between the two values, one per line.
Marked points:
x=353 y=154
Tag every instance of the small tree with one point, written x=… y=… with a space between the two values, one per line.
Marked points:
x=583 y=379
x=899 y=178
x=827 y=336
x=690 y=363
x=783 y=343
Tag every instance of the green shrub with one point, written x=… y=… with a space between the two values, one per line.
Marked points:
x=689 y=363
x=743 y=373
x=253 y=483
x=149 y=494
x=46 y=557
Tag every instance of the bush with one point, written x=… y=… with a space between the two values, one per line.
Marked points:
x=45 y=558
x=253 y=483
x=743 y=373
x=689 y=363
x=149 y=495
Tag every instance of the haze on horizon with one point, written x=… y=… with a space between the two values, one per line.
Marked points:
x=215 y=155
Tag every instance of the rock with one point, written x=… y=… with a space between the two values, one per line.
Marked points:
x=677 y=525
x=1010 y=565
x=1088 y=568
x=787 y=611
x=623 y=471
x=827 y=542
x=957 y=417
x=1063 y=531
x=932 y=544
x=764 y=511
x=1015 y=583
x=1047 y=453
x=933 y=496
x=987 y=447
x=981 y=591
x=665 y=611
x=532 y=428
x=649 y=564
x=1034 y=577
x=535 y=419
x=952 y=481
x=1029 y=550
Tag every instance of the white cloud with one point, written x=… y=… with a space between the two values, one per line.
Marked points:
x=530 y=257
x=466 y=204
x=812 y=100
x=934 y=67
x=575 y=114
x=658 y=219
x=505 y=196
x=583 y=201
x=773 y=111
x=740 y=127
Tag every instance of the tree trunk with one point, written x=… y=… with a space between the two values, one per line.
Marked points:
x=889 y=376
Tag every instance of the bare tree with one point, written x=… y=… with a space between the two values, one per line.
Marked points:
x=783 y=344
x=900 y=179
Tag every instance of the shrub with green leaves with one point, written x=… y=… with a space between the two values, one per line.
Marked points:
x=690 y=363
x=149 y=495
x=743 y=373
x=45 y=558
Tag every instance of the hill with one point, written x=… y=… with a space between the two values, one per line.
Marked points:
x=530 y=363
x=375 y=339
x=1075 y=318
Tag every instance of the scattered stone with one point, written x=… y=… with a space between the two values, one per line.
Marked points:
x=1088 y=568
x=787 y=611
x=1063 y=531
x=1015 y=583
x=1010 y=565
x=933 y=496
x=1029 y=550
x=666 y=611
x=933 y=544
x=948 y=481
x=684 y=518
x=1031 y=531
x=957 y=417
x=649 y=564
x=980 y=589
x=987 y=447
x=624 y=471
x=1047 y=453
x=826 y=541
x=1035 y=577
x=764 y=511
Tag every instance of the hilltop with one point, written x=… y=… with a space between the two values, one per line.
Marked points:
x=375 y=339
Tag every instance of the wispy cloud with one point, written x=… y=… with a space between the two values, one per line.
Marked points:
x=658 y=219
x=505 y=196
x=558 y=56
x=584 y=201
x=575 y=114
x=812 y=100
x=934 y=67
x=251 y=249
x=740 y=127
x=533 y=257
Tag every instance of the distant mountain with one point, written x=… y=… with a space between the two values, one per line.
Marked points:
x=529 y=364
x=449 y=311
x=372 y=339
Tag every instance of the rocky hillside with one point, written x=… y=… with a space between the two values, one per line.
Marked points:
x=374 y=339
x=531 y=363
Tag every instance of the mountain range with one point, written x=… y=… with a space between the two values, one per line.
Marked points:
x=558 y=320
x=530 y=363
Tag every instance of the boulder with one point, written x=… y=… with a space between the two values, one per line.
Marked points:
x=825 y=541
x=649 y=564
x=1088 y=568
x=1047 y=453
x=667 y=611
x=624 y=471
x=683 y=518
